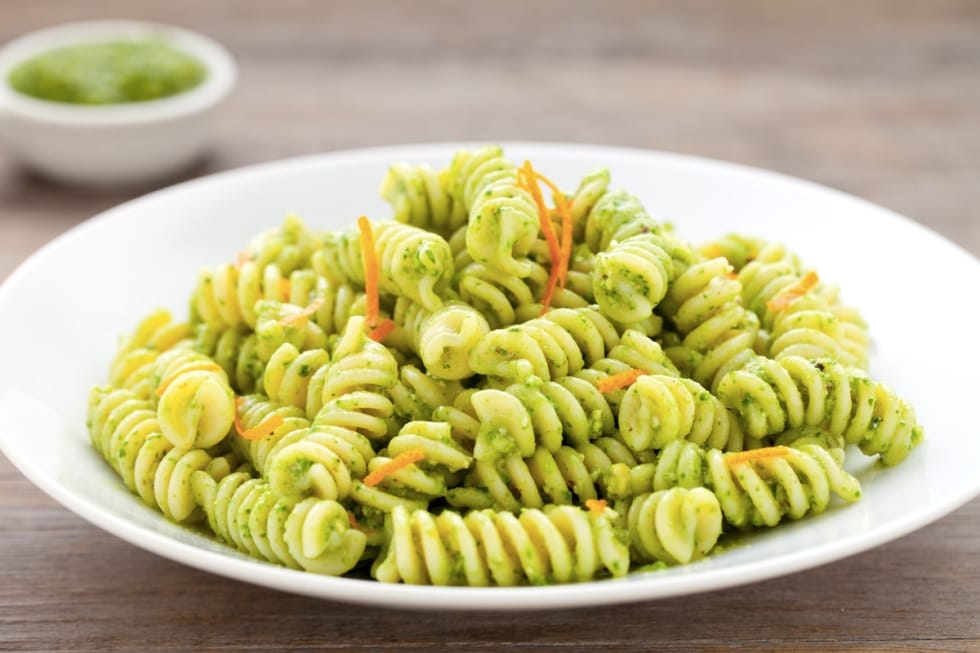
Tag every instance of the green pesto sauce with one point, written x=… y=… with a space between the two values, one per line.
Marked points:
x=108 y=73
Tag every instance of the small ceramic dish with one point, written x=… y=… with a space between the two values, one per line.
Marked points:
x=113 y=144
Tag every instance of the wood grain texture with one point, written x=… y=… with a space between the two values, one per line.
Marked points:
x=878 y=98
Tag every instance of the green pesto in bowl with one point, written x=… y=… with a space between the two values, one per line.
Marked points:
x=116 y=72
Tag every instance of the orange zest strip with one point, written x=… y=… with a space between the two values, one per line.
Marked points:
x=239 y=427
x=369 y=256
x=379 y=333
x=731 y=275
x=757 y=454
x=565 y=211
x=402 y=460
x=596 y=506
x=314 y=306
x=203 y=366
x=243 y=257
x=264 y=428
x=791 y=293
x=527 y=178
x=284 y=289
x=621 y=380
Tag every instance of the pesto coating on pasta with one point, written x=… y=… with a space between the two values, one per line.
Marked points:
x=493 y=387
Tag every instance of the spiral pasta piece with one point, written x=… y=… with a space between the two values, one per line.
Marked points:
x=717 y=333
x=256 y=409
x=420 y=197
x=565 y=477
x=235 y=351
x=631 y=277
x=196 y=405
x=504 y=299
x=502 y=222
x=320 y=461
x=616 y=216
x=280 y=323
x=428 y=478
x=443 y=339
x=676 y=526
x=773 y=396
x=760 y=491
x=226 y=295
x=548 y=347
x=126 y=431
x=310 y=534
x=288 y=247
x=287 y=376
x=557 y=545
x=657 y=410
x=413 y=262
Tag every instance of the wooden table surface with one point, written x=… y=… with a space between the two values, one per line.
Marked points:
x=880 y=99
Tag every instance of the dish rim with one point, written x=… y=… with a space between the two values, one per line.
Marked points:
x=635 y=587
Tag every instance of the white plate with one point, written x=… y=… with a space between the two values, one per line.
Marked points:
x=62 y=311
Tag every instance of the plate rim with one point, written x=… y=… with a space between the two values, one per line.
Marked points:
x=635 y=587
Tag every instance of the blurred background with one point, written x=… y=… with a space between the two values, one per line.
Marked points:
x=879 y=98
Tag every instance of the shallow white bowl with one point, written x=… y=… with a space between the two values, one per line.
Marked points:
x=116 y=144
x=62 y=310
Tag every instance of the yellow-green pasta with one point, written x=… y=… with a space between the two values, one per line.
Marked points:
x=675 y=526
x=235 y=351
x=560 y=545
x=496 y=410
x=704 y=304
x=773 y=396
x=443 y=339
x=310 y=534
x=657 y=410
x=502 y=222
x=419 y=196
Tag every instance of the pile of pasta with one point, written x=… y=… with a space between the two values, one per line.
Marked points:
x=504 y=384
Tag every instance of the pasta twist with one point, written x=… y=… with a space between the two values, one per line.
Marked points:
x=154 y=334
x=280 y=323
x=616 y=216
x=737 y=249
x=657 y=410
x=773 y=396
x=320 y=461
x=553 y=346
x=226 y=295
x=288 y=247
x=444 y=338
x=428 y=478
x=631 y=277
x=287 y=377
x=196 y=405
x=557 y=545
x=760 y=491
x=256 y=409
x=675 y=526
x=567 y=476
x=420 y=197
x=310 y=534
x=805 y=327
x=717 y=332
x=412 y=262
x=125 y=429
x=537 y=413
x=235 y=351
x=582 y=202
x=502 y=223
x=504 y=299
